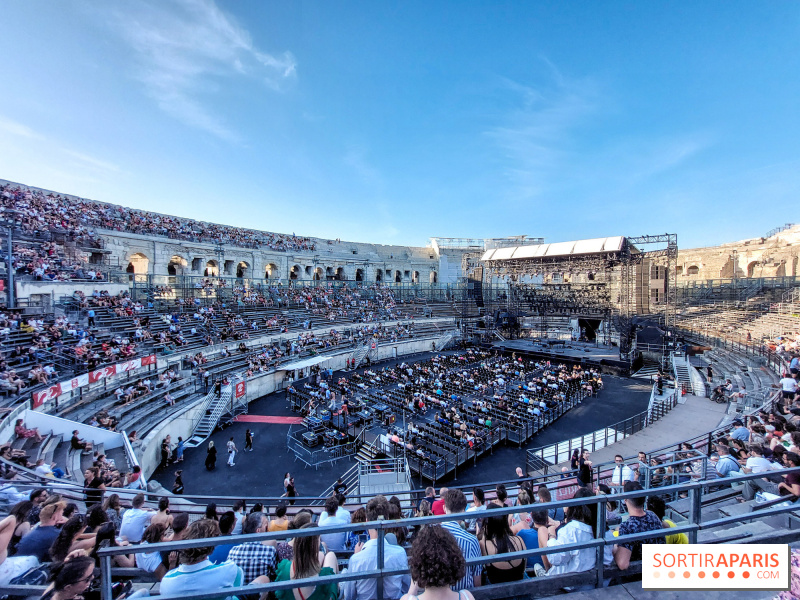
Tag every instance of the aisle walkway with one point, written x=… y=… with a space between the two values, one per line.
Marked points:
x=695 y=417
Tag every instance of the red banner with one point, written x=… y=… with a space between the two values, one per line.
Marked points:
x=39 y=398
x=63 y=387
x=240 y=389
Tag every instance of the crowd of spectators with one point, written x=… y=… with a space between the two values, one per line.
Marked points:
x=34 y=210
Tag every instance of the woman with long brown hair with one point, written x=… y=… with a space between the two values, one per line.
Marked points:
x=308 y=561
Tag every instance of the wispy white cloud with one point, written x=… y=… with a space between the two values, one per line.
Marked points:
x=12 y=127
x=553 y=140
x=184 y=48
x=535 y=137
x=26 y=139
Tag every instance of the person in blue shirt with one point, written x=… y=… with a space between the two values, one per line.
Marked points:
x=739 y=432
x=726 y=465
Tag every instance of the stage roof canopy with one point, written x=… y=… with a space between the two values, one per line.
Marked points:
x=558 y=249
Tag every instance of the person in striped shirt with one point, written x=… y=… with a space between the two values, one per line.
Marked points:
x=455 y=502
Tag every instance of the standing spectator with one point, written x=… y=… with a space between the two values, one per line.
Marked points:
x=436 y=564
x=211 y=457
x=621 y=473
x=585 y=469
x=231 y=452
x=365 y=558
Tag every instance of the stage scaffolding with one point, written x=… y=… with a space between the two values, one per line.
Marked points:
x=623 y=286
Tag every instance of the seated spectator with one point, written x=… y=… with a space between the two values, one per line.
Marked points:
x=726 y=465
x=107 y=537
x=76 y=443
x=12 y=566
x=279 y=522
x=256 y=559
x=365 y=558
x=437 y=566
x=639 y=521
x=22 y=432
x=135 y=520
x=152 y=562
x=659 y=508
x=70 y=538
x=37 y=543
x=521 y=520
x=496 y=538
x=334 y=542
x=308 y=561
x=196 y=573
x=50 y=470
x=455 y=503
x=70 y=579
x=579 y=528
x=227 y=523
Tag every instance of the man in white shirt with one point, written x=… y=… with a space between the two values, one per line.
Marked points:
x=788 y=386
x=341 y=512
x=238 y=512
x=135 y=520
x=365 y=558
x=621 y=473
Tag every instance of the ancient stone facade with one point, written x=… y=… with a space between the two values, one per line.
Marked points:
x=774 y=256
x=352 y=261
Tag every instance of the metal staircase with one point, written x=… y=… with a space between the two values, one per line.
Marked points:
x=682 y=377
x=349 y=478
x=213 y=409
x=367 y=453
x=361 y=352
x=445 y=339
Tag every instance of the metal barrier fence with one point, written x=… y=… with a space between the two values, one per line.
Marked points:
x=379 y=528
x=541 y=459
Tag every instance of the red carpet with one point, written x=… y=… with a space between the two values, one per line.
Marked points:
x=268 y=419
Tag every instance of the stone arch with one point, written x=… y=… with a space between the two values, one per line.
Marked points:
x=693 y=270
x=751 y=268
x=271 y=271
x=243 y=269
x=359 y=274
x=398 y=277
x=339 y=276
x=781 y=270
x=295 y=272
x=138 y=264
x=329 y=272
x=212 y=268
x=318 y=274
x=415 y=277
x=678 y=271
x=309 y=272
x=434 y=277
x=379 y=275
x=177 y=265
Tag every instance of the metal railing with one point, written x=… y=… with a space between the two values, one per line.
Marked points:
x=378 y=530
x=541 y=459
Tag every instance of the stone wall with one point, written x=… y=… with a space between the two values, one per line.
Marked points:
x=775 y=256
x=341 y=260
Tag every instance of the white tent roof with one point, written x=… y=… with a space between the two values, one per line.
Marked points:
x=306 y=362
x=593 y=246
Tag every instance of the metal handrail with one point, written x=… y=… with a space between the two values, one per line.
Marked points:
x=694 y=491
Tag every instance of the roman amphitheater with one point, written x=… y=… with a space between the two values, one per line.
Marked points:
x=209 y=372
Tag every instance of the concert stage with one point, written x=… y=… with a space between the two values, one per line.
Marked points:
x=604 y=356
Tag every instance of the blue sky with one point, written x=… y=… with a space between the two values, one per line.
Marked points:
x=393 y=122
